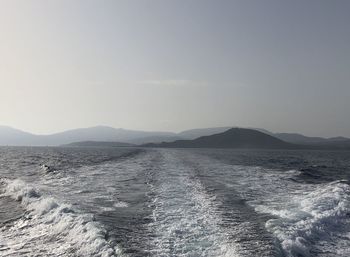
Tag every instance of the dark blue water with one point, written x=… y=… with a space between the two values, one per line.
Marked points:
x=173 y=202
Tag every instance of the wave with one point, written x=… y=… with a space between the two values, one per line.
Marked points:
x=50 y=228
x=308 y=219
x=319 y=218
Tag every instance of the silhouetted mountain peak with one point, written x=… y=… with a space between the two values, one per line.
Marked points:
x=232 y=138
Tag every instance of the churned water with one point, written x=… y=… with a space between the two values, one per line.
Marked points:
x=173 y=202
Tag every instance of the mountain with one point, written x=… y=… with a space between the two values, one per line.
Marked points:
x=338 y=139
x=232 y=138
x=195 y=133
x=100 y=133
x=298 y=138
x=98 y=144
x=11 y=136
x=301 y=139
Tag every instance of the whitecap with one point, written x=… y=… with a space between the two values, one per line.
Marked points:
x=51 y=228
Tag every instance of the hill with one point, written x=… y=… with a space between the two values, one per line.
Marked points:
x=232 y=138
x=200 y=132
x=11 y=136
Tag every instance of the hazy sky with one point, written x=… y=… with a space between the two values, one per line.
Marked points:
x=174 y=65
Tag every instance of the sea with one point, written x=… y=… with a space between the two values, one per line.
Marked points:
x=57 y=201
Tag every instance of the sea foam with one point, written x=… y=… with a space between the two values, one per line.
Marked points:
x=306 y=219
x=51 y=228
x=317 y=218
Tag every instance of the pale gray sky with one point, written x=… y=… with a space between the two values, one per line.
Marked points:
x=174 y=65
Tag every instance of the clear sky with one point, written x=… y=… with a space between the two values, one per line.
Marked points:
x=174 y=65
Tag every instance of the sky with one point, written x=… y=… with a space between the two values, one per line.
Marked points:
x=174 y=65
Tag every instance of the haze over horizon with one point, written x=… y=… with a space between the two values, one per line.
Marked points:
x=165 y=131
x=176 y=65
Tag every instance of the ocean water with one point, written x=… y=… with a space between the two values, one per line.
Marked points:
x=173 y=202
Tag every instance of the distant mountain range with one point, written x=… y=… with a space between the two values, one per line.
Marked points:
x=232 y=138
x=11 y=136
x=301 y=139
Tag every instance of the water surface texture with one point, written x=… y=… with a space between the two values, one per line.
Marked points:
x=173 y=202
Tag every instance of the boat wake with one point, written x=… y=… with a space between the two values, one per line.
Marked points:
x=186 y=219
x=307 y=219
x=166 y=202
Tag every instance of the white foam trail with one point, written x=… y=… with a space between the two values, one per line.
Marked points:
x=121 y=204
x=186 y=220
x=319 y=216
x=309 y=218
x=50 y=228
